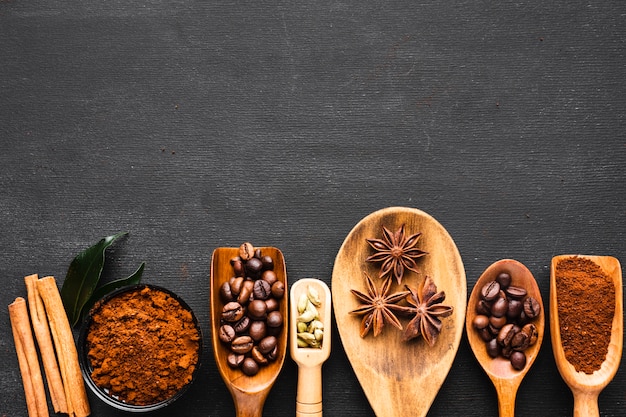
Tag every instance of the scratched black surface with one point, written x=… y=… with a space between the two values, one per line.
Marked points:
x=196 y=124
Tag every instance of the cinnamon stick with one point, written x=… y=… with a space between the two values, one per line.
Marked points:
x=75 y=394
x=28 y=361
x=46 y=347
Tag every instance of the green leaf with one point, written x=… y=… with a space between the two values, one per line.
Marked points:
x=103 y=290
x=82 y=277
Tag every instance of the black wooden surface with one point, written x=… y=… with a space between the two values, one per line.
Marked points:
x=199 y=124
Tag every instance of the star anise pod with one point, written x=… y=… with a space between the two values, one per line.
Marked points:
x=378 y=306
x=396 y=252
x=428 y=309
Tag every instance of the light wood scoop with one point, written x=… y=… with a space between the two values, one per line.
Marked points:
x=249 y=392
x=504 y=377
x=587 y=387
x=309 y=359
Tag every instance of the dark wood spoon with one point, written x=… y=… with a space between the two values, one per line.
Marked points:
x=249 y=392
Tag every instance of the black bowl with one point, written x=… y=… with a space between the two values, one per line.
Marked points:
x=86 y=366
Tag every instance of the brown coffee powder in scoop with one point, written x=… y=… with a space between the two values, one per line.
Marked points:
x=586 y=305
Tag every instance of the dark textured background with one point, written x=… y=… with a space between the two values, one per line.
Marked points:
x=199 y=124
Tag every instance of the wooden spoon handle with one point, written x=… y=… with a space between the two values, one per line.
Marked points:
x=586 y=404
x=249 y=404
x=309 y=391
x=507 y=391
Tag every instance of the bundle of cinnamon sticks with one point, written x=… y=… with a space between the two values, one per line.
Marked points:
x=56 y=346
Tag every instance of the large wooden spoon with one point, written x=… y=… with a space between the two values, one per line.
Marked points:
x=309 y=359
x=399 y=378
x=587 y=387
x=502 y=374
x=249 y=392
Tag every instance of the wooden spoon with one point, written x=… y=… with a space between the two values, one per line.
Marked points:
x=587 y=387
x=502 y=374
x=248 y=392
x=399 y=378
x=309 y=359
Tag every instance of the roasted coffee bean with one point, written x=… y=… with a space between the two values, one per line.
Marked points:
x=493 y=330
x=497 y=322
x=531 y=330
x=226 y=294
x=504 y=279
x=493 y=348
x=520 y=341
x=227 y=333
x=515 y=309
x=242 y=325
x=516 y=292
x=518 y=360
x=253 y=268
x=232 y=312
x=246 y=251
x=257 y=330
x=250 y=367
x=267 y=344
x=269 y=276
x=480 y=322
x=246 y=292
x=273 y=355
x=506 y=351
x=483 y=307
x=235 y=360
x=500 y=306
x=257 y=253
x=258 y=356
x=262 y=290
x=257 y=309
x=506 y=334
x=490 y=291
x=242 y=344
x=272 y=304
x=268 y=262
x=485 y=334
x=278 y=289
x=532 y=308
x=238 y=268
x=235 y=286
x=274 y=331
x=275 y=319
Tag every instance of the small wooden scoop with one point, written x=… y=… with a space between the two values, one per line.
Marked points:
x=248 y=392
x=309 y=359
x=587 y=387
x=505 y=378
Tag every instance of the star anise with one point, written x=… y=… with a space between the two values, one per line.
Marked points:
x=428 y=310
x=396 y=253
x=378 y=306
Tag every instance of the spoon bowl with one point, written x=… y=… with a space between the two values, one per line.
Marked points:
x=309 y=359
x=399 y=378
x=248 y=392
x=504 y=377
x=587 y=387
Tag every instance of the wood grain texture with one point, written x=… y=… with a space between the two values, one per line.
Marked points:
x=248 y=392
x=399 y=378
x=197 y=125
x=587 y=387
x=309 y=395
x=504 y=377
